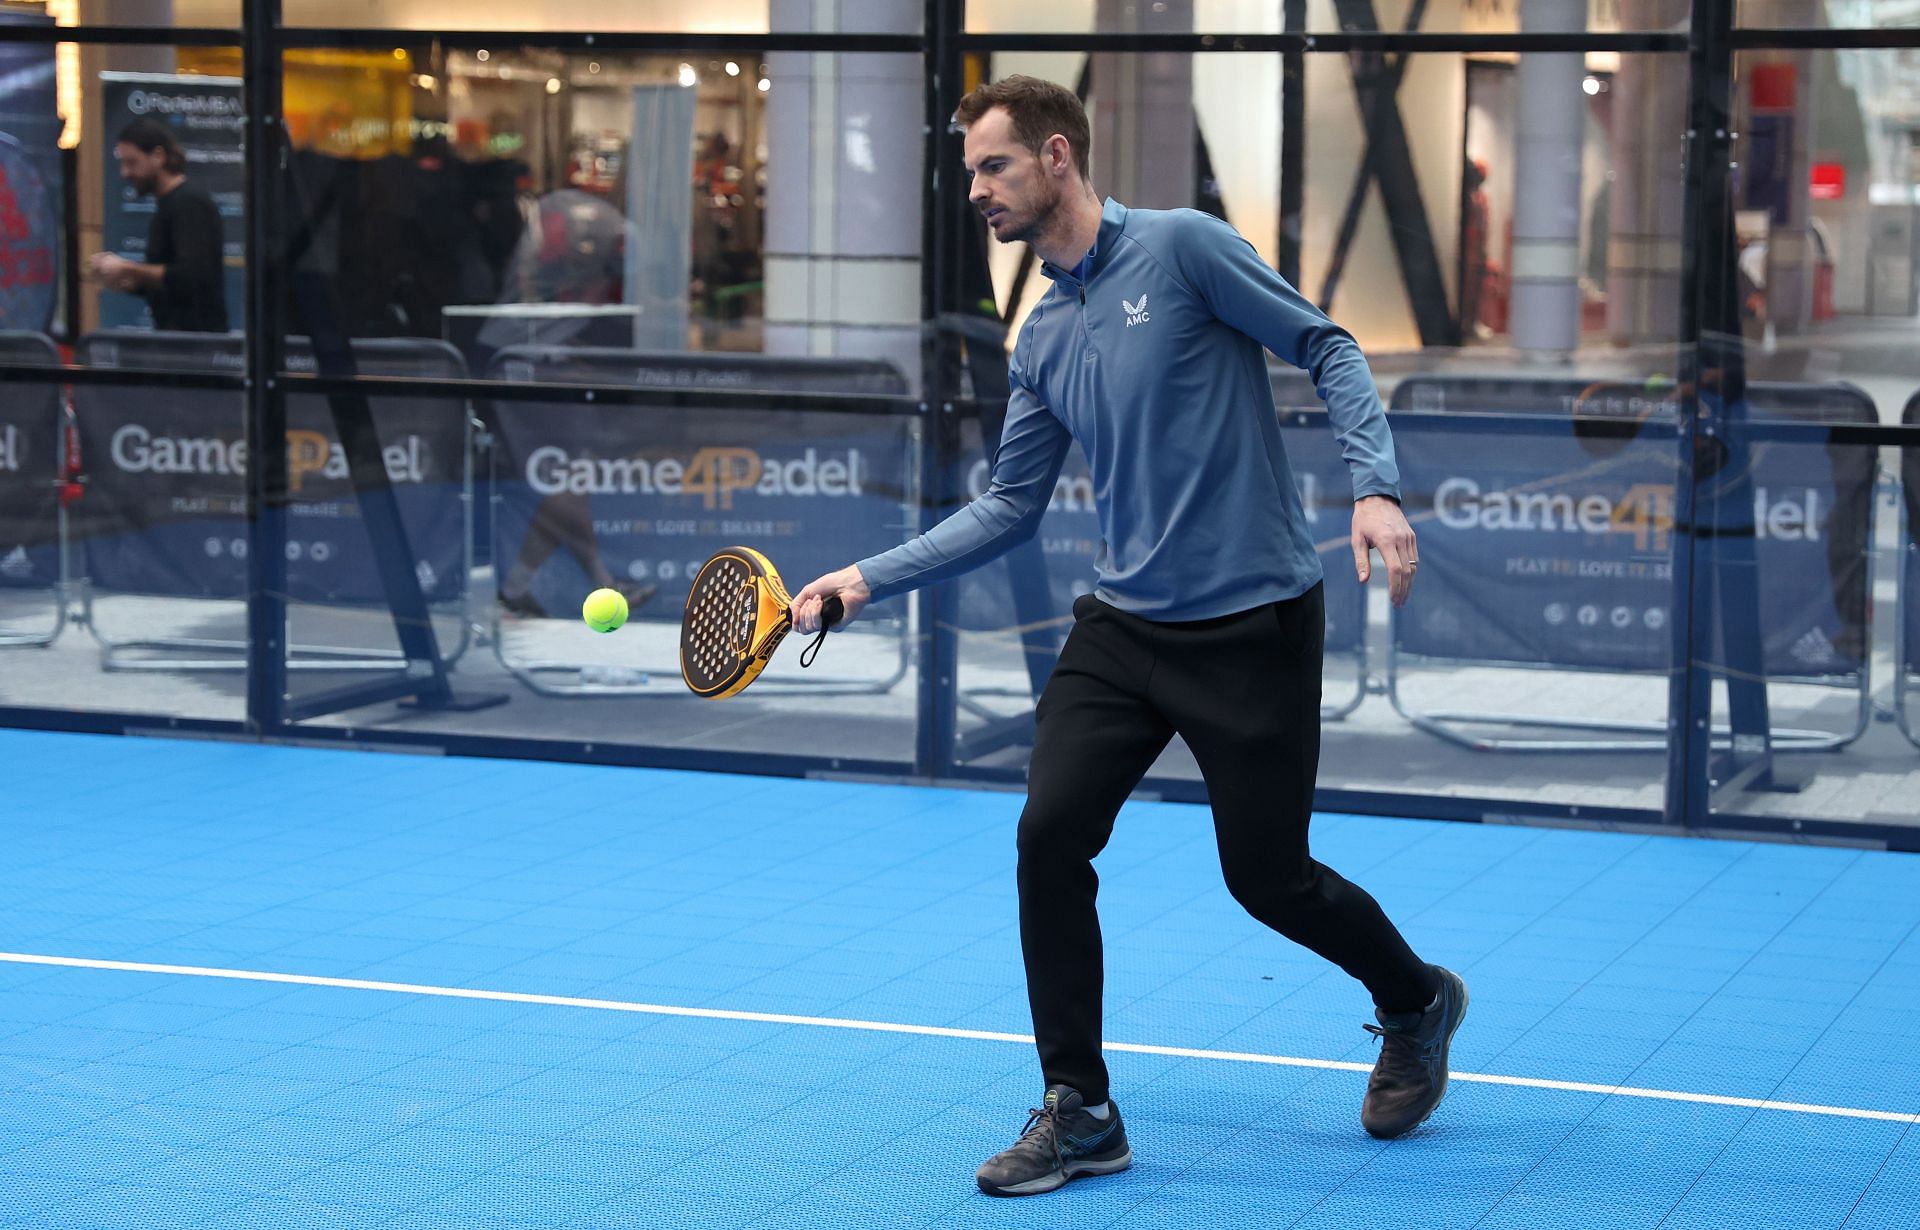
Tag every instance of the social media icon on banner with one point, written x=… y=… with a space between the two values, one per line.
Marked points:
x=320 y=552
x=1589 y=615
x=638 y=570
x=1622 y=616
x=294 y=550
x=1556 y=613
x=1655 y=617
x=213 y=547
x=668 y=570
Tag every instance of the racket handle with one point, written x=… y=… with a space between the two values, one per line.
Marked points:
x=830 y=612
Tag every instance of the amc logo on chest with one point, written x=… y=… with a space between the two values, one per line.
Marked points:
x=1136 y=312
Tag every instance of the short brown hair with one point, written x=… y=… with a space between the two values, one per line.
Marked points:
x=1039 y=109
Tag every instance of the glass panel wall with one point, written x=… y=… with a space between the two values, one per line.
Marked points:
x=1813 y=694
x=123 y=528
x=516 y=196
x=563 y=315
x=1534 y=416
x=123 y=161
x=750 y=327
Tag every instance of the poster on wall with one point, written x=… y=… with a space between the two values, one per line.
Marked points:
x=207 y=114
x=30 y=183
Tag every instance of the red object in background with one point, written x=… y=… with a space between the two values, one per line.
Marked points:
x=1493 y=298
x=1774 y=86
x=1827 y=181
x=1823 y=291
x=73 y=472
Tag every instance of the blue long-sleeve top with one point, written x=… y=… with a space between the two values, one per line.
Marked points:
x=1151 y=356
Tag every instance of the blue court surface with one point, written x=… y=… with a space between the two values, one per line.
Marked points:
x=280 y=987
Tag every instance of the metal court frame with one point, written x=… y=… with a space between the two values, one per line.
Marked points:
x=1906 y=673
x=1710 y=42
x=1904 y=677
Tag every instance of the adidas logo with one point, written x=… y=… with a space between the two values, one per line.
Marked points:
x=15 y=565
x=1136 y=312
x=1813 y=647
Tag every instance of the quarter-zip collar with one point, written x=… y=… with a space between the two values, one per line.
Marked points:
x=1113 y=220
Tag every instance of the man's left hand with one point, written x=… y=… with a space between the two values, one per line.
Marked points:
x=1379 y=525
x=115 y=271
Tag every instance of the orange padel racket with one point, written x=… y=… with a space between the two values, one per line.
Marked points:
x=737 y=614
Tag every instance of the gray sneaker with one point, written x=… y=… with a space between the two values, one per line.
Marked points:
x=1410 y=1077
x=1060 y=1142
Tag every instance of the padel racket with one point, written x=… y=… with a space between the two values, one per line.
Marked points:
x=737 y=614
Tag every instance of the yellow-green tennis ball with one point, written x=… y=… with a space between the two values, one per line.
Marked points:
x=604 y=610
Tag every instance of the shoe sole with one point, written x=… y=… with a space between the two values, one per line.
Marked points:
x=1059 y=1179
x=1446 y=1068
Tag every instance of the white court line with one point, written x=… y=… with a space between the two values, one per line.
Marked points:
x=931 y=1031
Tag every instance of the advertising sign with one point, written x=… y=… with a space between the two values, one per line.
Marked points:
x=165 y=504
x=648 y=493
x=1555 y=547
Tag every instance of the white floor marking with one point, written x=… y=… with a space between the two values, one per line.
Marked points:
x=931 y=1031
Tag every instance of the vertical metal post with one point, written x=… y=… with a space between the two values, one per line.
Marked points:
x=1706 y=247
x=1293 y=141
x=939 y=674
x=266 y=402
x=70 y=245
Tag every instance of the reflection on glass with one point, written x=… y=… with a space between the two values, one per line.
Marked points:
x=121 y=189
x=633 y=498
x=673 y=202
x=1557 y=230
x=1828 y=266
x=629 y=16
x=1543 y=622
x=1808 y=579
x=35 y=490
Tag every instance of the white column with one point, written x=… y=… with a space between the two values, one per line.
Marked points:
x=1142 y=108
x=1549 y=131
x=1646 y=201
x=844 y=172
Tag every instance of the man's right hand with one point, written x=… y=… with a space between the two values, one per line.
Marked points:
x=847 y=584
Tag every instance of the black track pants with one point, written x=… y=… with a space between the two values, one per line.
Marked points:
x=1244 y=691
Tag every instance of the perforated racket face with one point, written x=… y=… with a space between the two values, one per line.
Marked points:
x=736 y=616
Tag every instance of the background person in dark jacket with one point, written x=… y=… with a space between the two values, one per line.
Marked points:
x=182 y=278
